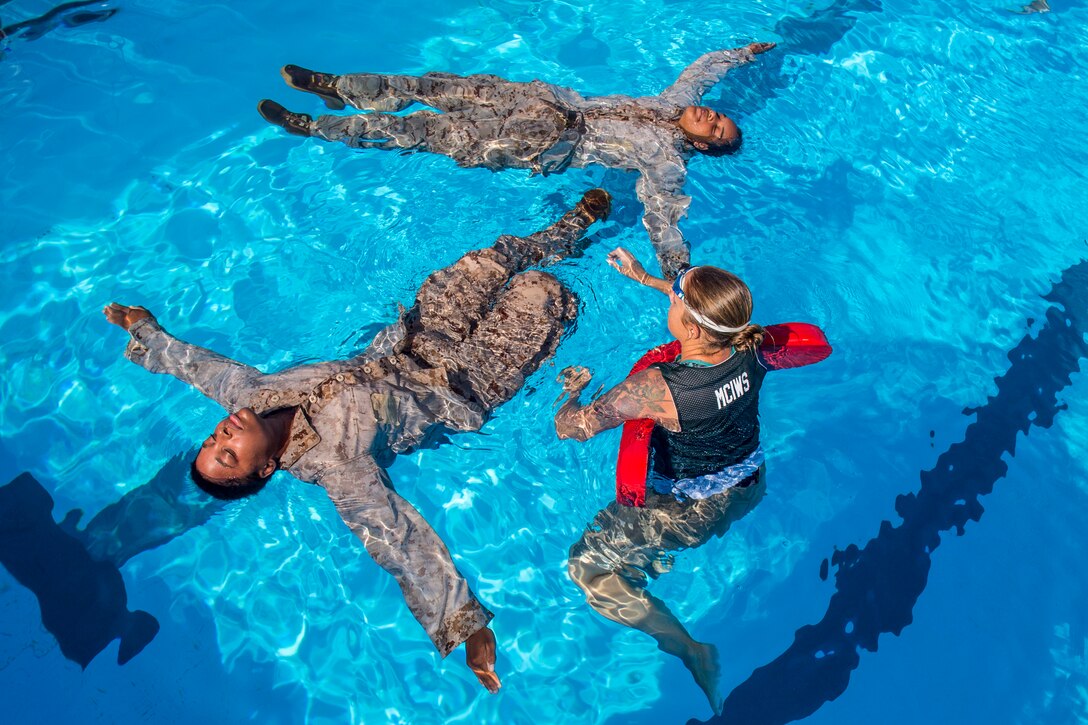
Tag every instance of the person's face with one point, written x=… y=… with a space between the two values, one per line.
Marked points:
x=705 y=127
x=239 y=447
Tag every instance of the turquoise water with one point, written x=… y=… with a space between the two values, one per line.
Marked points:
x=912 y=180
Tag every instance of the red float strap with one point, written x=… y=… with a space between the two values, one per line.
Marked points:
x=788 y=345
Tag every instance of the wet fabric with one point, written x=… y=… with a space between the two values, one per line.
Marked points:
x=477 y=329
x=624 y=547
x=487 y=121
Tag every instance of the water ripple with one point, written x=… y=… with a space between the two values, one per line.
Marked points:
x=910 y=180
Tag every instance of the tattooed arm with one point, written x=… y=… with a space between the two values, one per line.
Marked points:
x=643 y=395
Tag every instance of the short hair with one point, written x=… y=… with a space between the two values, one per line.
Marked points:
x=232 y=490
x=726 y=148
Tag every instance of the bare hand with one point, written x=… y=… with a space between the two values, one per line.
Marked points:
x=757 y=48
x=625 y=263
x=480 y=656
x=125 y=317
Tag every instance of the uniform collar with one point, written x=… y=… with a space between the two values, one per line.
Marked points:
x=302 y=436
x=300 y=440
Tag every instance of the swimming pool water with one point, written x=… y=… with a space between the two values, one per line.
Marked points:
x=912 y=180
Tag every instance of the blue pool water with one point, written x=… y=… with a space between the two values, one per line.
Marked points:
x=912 y=180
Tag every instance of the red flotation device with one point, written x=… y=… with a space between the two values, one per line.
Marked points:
x=788 y=345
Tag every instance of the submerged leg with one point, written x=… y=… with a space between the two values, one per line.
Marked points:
x=521 y=331
x=379 y=130
x=419 y=131
x=626 y=601
x=453 y=302
x=624 y=546
x=471 y=141
x=444 y=91
x=563 y=239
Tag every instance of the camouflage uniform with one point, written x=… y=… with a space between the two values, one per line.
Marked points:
x=477 y=329
x=494 y=123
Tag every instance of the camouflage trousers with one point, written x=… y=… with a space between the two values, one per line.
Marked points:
x=484 y=120
x=487 y=321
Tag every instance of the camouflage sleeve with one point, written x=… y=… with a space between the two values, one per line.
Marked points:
x=402 y=542
x=659 y=190
x=223 y=380
x=704 y=74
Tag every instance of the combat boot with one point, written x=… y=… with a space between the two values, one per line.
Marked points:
x=320 y=84
x=298 y=124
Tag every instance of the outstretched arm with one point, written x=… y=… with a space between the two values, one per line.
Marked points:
x=223 y=380
x=402 y=542
x=628 y=265
x=659 y=190
x=707 y=71
x=643 y=395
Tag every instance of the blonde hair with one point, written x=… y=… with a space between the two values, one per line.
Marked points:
x=724 y=299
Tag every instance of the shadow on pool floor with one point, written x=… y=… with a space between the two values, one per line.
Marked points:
x=878 y=584
x=75 y=574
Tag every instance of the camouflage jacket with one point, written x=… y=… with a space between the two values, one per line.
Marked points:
x=354 y=416
x=640 y=134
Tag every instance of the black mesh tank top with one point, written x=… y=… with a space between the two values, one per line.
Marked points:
x=718 y=408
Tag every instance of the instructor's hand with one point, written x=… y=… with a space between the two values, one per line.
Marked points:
x=625 y=263
x=757 y=48
x=125 y=317
x=480 y=655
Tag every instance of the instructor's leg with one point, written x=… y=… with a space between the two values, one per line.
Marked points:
x=609 y=563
